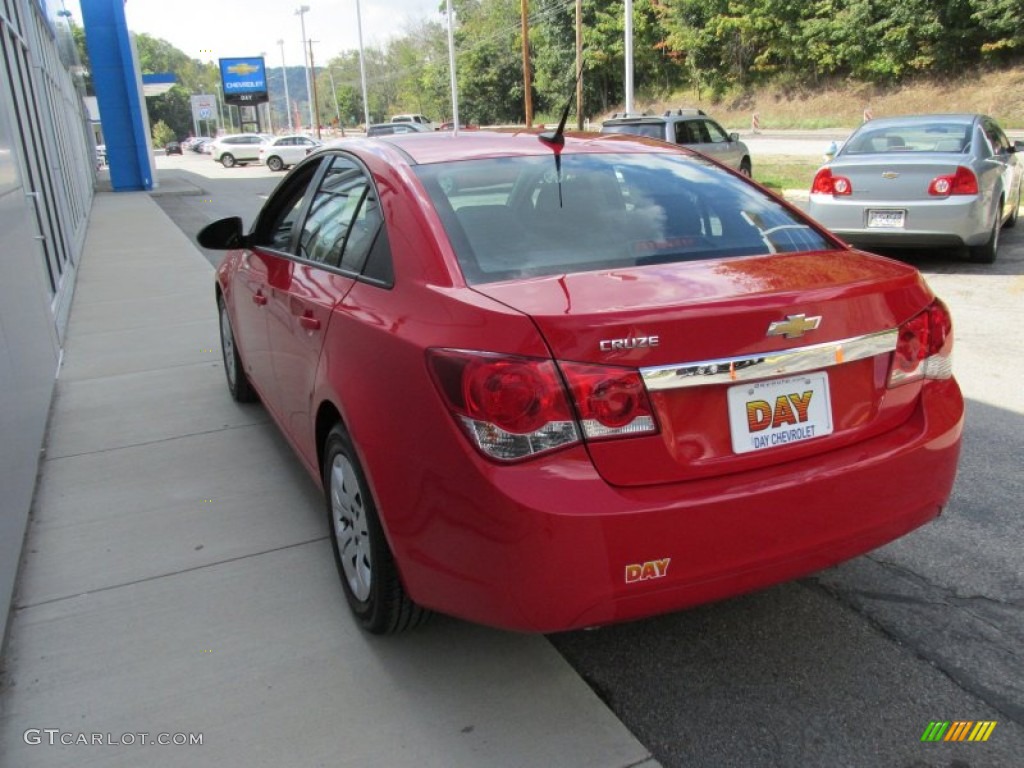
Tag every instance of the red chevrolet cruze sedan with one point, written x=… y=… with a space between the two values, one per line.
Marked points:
x=558 y=382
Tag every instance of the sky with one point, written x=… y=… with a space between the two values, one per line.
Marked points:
x=212 y=29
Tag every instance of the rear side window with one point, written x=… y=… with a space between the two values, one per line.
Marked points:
x=526 y=216
x=650 y=130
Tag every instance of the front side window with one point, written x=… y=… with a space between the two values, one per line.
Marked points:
x=280 y=216
x=528 y=216
x=715 y=132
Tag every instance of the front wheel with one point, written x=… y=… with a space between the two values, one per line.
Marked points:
x=745 y=167
x=274 y=163
x=227 y=160
x=365 y=564
x=238 y=383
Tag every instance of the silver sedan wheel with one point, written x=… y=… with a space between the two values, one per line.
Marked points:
x=348 y=514
x=227 y=343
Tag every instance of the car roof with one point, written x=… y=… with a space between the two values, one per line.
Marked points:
x=447 y=146
x=953 y=117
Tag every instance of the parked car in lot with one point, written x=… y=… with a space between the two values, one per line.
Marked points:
x=689 y=128
x=554 y=382
x=172 y=148
x=192 y=141
x=393 y=129
x=922 y=181
x=237 y=149
x=285 y=151
x=419 y=120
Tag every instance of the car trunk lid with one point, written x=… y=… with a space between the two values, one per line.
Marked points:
x=699 y=334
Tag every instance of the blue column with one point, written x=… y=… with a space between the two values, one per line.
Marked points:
x=118 y=85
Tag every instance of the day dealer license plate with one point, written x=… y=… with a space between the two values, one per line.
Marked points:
x=769 y=414
x=886 y=219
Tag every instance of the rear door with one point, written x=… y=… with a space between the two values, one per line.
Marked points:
x=338 y=228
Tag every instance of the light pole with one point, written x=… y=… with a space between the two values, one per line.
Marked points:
x=362 y=66
x=334 y=90
x=287 y=101
x=301 y=13
x=270 y=117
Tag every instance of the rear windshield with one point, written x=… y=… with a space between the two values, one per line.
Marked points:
x=650 y=130
x=933 y=137
x=528 y=216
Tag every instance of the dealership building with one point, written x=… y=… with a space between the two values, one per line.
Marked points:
x=48 y=174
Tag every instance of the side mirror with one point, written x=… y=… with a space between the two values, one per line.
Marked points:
x=223 y=235
x=1018 y=146
x=734 y=137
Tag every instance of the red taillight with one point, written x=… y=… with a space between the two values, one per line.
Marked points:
x=510 y=407
x=519 y=396
x=515 y=407
x=924 y=347
x=611 y=402
x=826 y=184
x=963 y=182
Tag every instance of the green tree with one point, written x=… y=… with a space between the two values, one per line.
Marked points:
x=162 y=133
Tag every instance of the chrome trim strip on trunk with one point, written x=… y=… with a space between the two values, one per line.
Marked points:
x=729 y=370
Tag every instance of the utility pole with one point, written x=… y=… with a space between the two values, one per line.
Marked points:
x=527 y=90
x=629 y=57
x=579 y=65
x=316 y=103
x=451 y=68
x=284 y=75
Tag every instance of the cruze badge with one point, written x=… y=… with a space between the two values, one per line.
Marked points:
x=794 y=326
x=630 y=342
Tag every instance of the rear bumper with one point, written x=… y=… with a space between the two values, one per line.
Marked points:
x=942 y=222
x=549 y=546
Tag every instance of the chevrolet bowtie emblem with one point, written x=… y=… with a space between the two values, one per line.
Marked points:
x=793 y=326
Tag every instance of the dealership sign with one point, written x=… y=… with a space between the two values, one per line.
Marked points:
x=244 y=80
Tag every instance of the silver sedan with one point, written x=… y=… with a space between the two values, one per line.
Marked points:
x=922 y=181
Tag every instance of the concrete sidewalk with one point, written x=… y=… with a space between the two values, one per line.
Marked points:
x=177 y=578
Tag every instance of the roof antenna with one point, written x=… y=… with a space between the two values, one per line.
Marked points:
x=558 y=135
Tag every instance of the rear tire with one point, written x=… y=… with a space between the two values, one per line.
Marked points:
x=1012 y=221
x=274 y=163
x=227 y=160
x=238 y=383
x=986 y=253
x=365 y=564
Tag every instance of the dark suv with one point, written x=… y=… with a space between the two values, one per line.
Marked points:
x=689 y=127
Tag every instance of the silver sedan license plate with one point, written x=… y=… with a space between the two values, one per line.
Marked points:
x=886 y=219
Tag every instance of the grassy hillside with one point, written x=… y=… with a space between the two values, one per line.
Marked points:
x=842 y=104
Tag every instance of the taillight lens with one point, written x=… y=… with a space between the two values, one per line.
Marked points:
x=924 y=347
x=825 y=183
x=510 y=407
x=516 y=407
x=611 y=402
x=962 y=182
